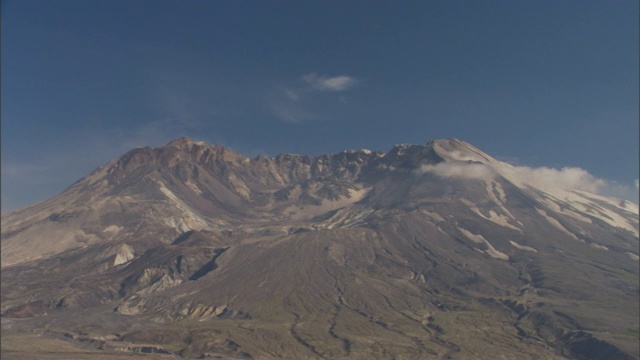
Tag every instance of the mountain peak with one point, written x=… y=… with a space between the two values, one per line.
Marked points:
x=180 y=141
x=457 y=150
x=399 y=243
x=184 y=141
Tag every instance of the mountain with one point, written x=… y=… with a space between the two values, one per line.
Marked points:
x=425 y=252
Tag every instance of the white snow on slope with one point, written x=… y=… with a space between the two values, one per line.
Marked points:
x=478 y=239
x=554 y=204
x=309 y=211
x=598 y=206
x=567 y=186
x=125 y=254
x=112 y=229
x=494 y=217
x=461 y=151
x=599 y=247
x=493 y=187
x=193 y=187
x=347 y=218
x=434 y=216
x=499 y=189
x=522 y=247
x=188 y=220
x=556 y=224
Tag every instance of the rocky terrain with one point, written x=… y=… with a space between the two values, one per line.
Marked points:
x=435 y=251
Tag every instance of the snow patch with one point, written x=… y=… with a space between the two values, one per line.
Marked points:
x=616 y=220
x=189 y=220
x=402 y=148
x=501 y=199
x=556 y=224
x=125 y=254
x=296 y=212
x=605 y=209
x=347 y=218
x=500 y=190
x=386 y=167
x=624 y=205
x=113 y=229
x=629 y=206
x=552 y=203
x=570 y=186
x=193 y=187
x=364 y=151
x=502 y=220
x=478 y=239
x=434 y=216
x=599 y=247
x=495 y=253
x=239 y=186
x=460 y=151
x=494 y=217
x=522 y=247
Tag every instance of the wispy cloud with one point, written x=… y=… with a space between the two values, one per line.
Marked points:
x=303 y=99
x=545 y=178
x=623 y=191
x=290 y=113
x=459 y=170
x=183 y=99
x=332 y=83
x=292 y=95
x=567 y=178
x=153 y=133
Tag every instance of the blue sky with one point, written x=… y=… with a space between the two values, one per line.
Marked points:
x=539 y=83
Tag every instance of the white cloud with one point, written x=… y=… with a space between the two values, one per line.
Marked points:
x=20 y=170
x=567 y=178
x=289 y=104
x=292 y=95
x=305 y=99
x=153 y=133
x=459 y=170
x=623 y=191
x=290 y=114
x=184 y=97
x=545 y=178
x=334 y=83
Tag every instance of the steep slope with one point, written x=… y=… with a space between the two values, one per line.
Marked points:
x=424 y=252
x=151 y=195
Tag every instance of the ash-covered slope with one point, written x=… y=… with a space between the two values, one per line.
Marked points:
x=435 y=251
x=160 y=193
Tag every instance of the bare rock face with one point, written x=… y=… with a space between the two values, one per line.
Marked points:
x=437 y=251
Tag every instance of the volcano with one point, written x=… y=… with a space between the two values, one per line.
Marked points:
x=435 y=251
